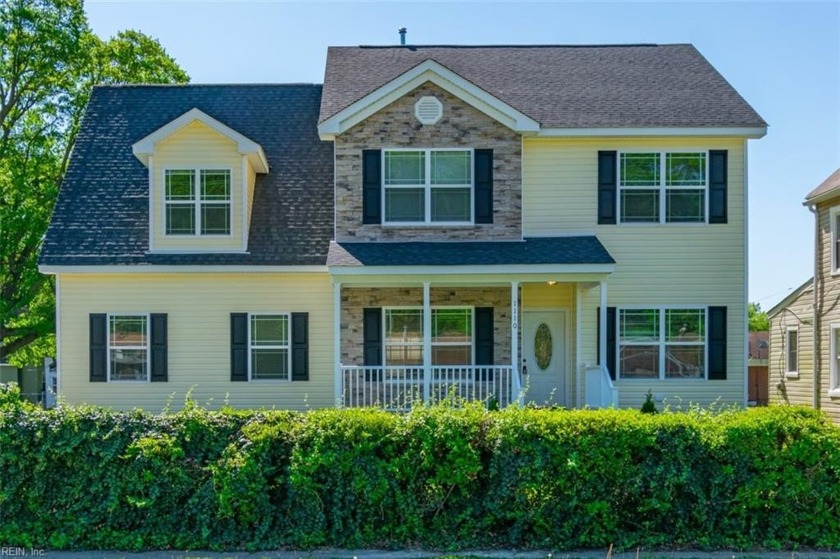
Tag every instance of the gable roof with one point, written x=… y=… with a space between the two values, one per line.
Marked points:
x=614 y=86
x=102 y=212
x=803 y=289
x=144 y=148
x=828 y=187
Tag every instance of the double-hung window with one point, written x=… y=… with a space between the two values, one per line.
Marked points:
x=792 y=351
x=834 y=216
x=663 y=187
x=452 y=336
x=835 y=360
x=197 y=201
x=659 y=343
x=428 y=186
x=269 y=347
x=128 y=347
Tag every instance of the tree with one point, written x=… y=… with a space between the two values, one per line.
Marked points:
x=49 y=62
x=758 y=320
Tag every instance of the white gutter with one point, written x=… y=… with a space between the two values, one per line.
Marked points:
x=817 y=325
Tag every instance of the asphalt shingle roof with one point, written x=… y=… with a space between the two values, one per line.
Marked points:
x=560 y=86
x=102 y=212
x=830 y=184
x=532 y=251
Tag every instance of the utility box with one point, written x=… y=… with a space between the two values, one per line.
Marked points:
x=9 y=374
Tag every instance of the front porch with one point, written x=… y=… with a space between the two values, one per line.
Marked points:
x=498 y=342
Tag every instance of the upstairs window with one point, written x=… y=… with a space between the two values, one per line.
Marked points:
x=663 y=187
x=197 y=202
x=428 y=186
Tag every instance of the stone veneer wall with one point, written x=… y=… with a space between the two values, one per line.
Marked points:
x=396 y=127
x=355 y=299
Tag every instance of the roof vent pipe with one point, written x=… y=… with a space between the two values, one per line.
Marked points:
x=402 y=31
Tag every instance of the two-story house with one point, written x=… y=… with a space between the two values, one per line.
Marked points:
x=805 y=325
x=563 y=225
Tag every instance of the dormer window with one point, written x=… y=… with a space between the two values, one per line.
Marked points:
x=198 y=202
x=428 y=186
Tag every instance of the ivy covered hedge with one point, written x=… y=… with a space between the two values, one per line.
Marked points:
x=436 y=477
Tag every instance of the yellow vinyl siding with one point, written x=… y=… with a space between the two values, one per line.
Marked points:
x=828 y=311
x=657 y=264
x=798 y=314
x=198 y=308
x=196 y=146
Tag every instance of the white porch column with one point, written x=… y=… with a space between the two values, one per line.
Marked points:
x=339 y=376
x=579 y=369
x=427 y=342
x=514 y=326
x=602 y=331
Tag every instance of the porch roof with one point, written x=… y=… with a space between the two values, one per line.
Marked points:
x=578 y=250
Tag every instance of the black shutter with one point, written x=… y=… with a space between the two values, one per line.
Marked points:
x=372 y=340
x=484 y=343
x=483 y=185
x=239 y=347
x=98 y=348
x=158 y=347
x=611 y=340
x=372 y=186
x=717 y=343
x=718 y=186
x=607 y=183
x=300 y=346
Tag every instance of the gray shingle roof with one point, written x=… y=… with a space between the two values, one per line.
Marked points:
x=102 y=213
x=561 y=86
x=827 y=186
x=533 y=251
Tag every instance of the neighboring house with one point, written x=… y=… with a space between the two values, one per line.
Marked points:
x=816 y=309
x=791 y=362
x=758 y=352
x=566 y=223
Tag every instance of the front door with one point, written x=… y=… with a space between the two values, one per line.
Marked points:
x=544 y=355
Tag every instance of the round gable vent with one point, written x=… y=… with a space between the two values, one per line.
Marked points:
x=428 y=110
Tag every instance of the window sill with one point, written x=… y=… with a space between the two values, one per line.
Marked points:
x=834 y=393
x=440 y=224
x=792 y=375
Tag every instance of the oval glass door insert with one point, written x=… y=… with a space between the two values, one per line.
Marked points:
x=543 y=346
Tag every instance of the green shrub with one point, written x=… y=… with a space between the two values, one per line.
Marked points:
x=441 y=477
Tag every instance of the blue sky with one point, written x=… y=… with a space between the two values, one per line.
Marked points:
x=783 y=57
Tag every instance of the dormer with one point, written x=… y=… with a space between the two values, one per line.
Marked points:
x=201 y=184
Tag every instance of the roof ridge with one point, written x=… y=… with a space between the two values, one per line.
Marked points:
x=509 y=46
x=185 y=85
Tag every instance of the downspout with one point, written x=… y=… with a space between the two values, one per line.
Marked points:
x=817 y=326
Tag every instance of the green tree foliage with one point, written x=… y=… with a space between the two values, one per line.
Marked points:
x=49 y=62
x=759 y=322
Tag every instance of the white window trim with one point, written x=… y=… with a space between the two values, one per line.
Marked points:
x=662 y=343
x=147 y=348
x=196 y=202
x=434 y=344
x=663 y=189
x=834 y=381
x=288 y=346
x=427 y=222
x=834 y=213
x=791 y=373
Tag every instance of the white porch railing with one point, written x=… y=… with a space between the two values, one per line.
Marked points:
x=398 y=388
x=600 y=392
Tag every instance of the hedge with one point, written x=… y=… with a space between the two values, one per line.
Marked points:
x=440 y=478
